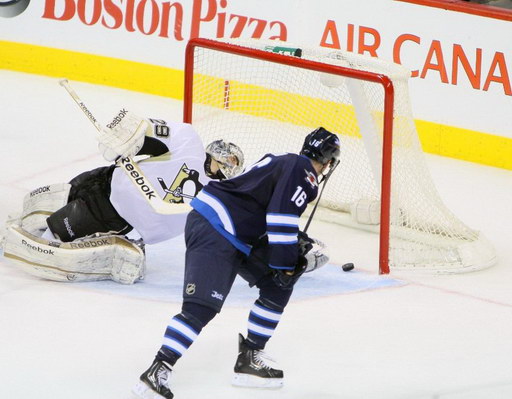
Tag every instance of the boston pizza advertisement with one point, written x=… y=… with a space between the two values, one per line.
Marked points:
x=461 y=64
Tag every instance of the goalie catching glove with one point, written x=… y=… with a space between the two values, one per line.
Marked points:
x=312 y=255
x=123 y=136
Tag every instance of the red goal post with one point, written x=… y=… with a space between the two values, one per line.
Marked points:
x=239 y=89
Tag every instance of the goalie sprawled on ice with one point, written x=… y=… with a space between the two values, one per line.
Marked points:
x=80 y=231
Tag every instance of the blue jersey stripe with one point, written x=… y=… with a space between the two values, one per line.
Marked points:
x=209 y=214
x=282 y=267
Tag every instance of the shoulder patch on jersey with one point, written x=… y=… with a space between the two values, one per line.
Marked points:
x=311 y=178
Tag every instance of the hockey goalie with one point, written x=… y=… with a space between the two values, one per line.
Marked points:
x=95 y=227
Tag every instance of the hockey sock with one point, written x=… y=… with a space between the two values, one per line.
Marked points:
x=183 y=330
x=179 y=335
x=263 y=321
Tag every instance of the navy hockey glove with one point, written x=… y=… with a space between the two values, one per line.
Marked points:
x=305 y=243
x=287 y=278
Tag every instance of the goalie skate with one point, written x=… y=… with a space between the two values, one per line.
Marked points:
x=251 y=370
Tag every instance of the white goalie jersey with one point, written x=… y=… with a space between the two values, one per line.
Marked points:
x=177 y=175
x=175 y=168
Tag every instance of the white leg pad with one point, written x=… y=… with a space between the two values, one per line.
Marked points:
x=41 y=203
x=88 y=259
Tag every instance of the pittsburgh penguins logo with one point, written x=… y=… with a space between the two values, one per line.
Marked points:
x=185 y=185
x=12 y=8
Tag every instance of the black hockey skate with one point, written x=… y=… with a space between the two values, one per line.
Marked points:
x=252 y=371
x=155 y=382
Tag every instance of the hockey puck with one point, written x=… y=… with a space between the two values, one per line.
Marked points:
x=347 y=267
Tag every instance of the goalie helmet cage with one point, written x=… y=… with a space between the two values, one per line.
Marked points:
x=266 y=96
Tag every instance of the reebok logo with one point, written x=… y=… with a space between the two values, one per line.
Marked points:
x=88 y=113
x=138 y=178
x=117 y=119
x=68 y=227
x=38 y=249
x=40 y=190
x=90 y=244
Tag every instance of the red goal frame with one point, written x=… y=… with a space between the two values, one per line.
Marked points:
x=383 y=80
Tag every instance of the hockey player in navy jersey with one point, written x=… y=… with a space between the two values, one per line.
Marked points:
x=77 y=231
x=248 y=225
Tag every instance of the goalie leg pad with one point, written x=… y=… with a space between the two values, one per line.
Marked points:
x=41 y=203
x=89 y=259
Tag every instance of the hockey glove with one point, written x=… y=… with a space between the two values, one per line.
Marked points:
x=305 y=243
x=288 y=278
x=313 y=250
x=123 y=136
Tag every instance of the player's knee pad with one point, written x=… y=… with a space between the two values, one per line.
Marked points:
x=41 y=203
x=200 y=314
x=90 y=259
x=273 y=296
x=277 y=304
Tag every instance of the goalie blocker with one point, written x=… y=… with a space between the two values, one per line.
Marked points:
x=87 y=259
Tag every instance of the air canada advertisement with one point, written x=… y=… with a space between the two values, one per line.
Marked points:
x=446 y=54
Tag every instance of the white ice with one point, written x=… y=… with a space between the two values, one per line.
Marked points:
x=344 y=335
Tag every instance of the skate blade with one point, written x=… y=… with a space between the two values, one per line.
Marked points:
x=251 y=381
x=143 y=391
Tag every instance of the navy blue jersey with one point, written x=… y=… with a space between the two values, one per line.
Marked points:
x=266 y=199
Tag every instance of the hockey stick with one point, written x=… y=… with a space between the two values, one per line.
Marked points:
x=323 y=182
x=347 y=266
x=131 y=168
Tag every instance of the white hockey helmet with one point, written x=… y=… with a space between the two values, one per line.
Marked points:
x=229 y=157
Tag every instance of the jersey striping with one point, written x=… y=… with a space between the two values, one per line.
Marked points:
x=267 y=199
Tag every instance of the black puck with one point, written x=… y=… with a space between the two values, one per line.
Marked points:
x=347 y=267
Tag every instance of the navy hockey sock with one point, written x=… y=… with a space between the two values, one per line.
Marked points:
x=183 y=330
x=262 y=322
x=179 y=335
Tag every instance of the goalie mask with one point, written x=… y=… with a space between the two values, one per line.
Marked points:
x=229 y=158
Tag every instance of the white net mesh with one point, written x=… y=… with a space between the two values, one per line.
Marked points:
x=265 y=107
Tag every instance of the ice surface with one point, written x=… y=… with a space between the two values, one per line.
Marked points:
x=344 y=335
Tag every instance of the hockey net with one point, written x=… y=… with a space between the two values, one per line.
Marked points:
x=265 y=96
